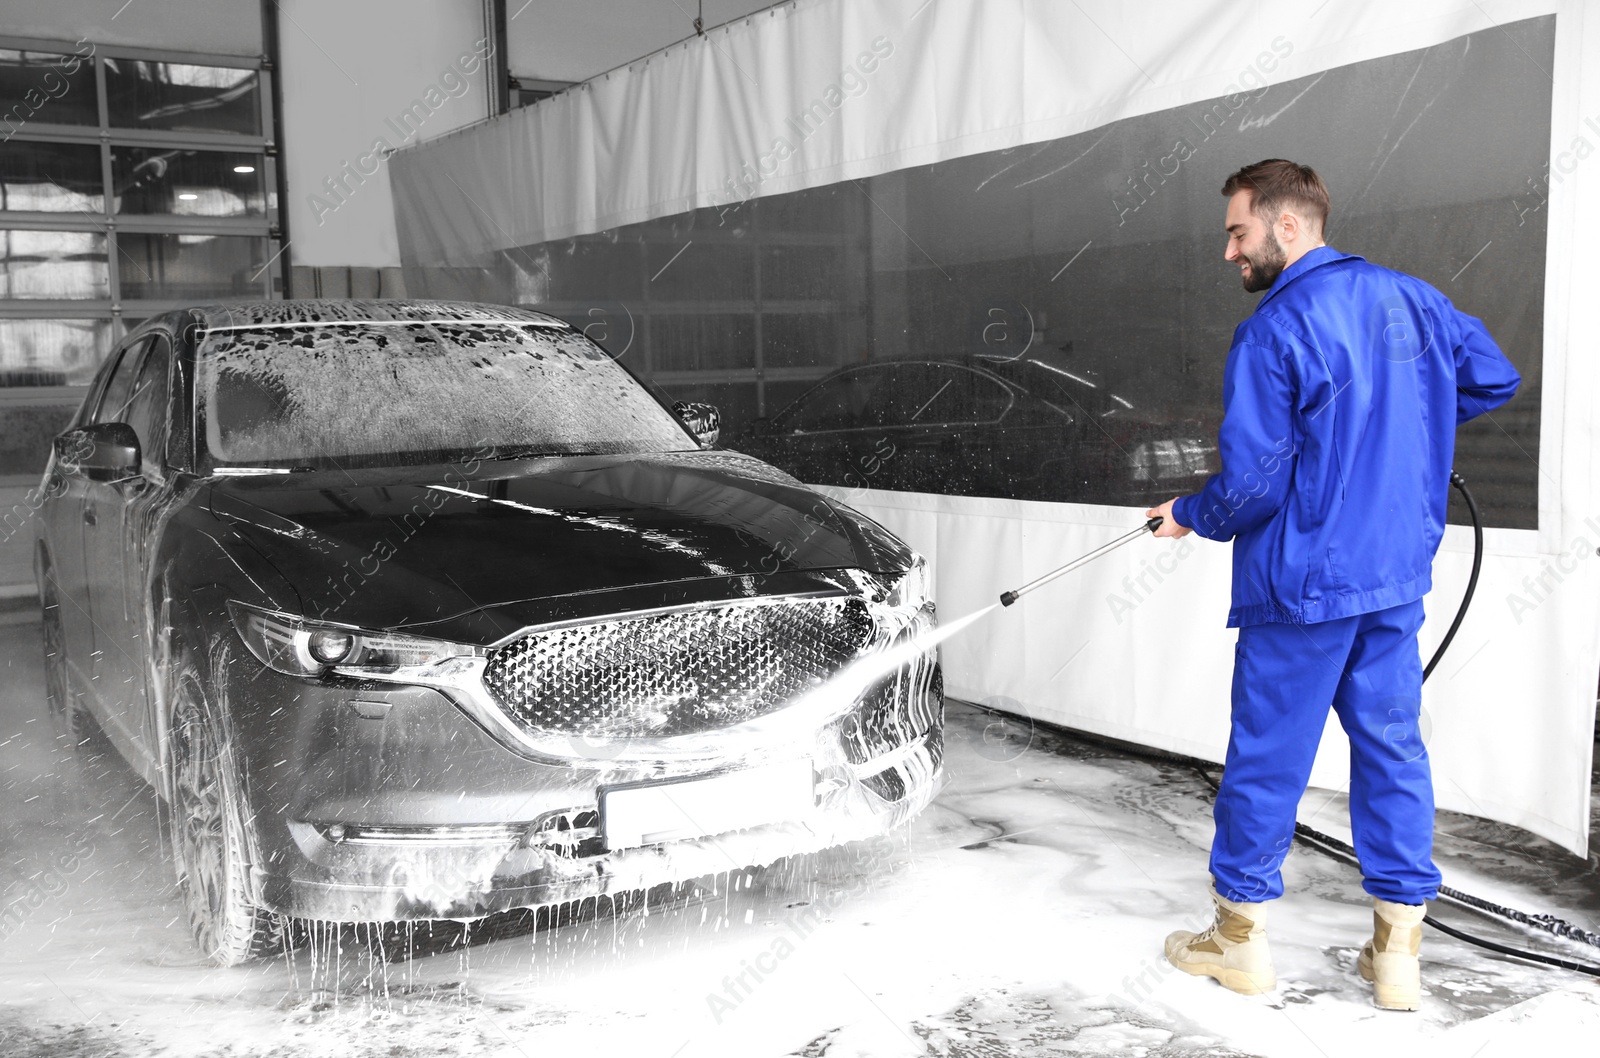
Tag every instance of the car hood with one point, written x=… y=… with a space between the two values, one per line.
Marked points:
x=479 y=548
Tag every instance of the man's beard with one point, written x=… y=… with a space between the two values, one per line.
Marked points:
x=1266 y=267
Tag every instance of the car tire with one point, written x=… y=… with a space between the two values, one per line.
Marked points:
x=208 y=835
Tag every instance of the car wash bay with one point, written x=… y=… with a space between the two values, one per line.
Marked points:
x=957 y=264
x=1022 y=913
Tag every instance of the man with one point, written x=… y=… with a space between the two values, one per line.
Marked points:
x=1341 y=396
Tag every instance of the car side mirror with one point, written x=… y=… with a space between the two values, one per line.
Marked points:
x=102 y=451
x=703 y=420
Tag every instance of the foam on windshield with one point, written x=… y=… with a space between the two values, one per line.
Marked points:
x=337 y=390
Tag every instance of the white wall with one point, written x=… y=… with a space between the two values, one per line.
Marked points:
x=351 y=72
x=228 y=27
x=558 y=40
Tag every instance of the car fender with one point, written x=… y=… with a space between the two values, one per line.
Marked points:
x=199 y=568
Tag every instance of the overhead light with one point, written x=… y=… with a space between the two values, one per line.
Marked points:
x=244 y=168
x=188 y=196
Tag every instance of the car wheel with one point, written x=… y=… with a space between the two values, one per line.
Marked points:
x=208 y=838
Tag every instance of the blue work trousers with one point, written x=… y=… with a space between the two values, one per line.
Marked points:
x=1284 y=678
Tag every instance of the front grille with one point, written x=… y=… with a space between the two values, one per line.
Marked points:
x=676 y=673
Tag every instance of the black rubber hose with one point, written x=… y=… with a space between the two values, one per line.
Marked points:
x=1548 y=923
x=1460 y=484
x=1548 y=960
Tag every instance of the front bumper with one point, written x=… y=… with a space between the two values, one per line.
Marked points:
x=383 y=802
x=434 y=879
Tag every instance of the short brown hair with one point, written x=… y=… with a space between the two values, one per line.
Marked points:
x=1276 y=185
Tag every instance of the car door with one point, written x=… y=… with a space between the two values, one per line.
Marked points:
x=815 y=438
x=938 y=427
x=65 y=535
x=148 y=412
x=118 y=704
x=914 y=425
x=1038 y=447
x=1090 y=457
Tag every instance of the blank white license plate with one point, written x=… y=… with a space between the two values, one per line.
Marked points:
x=697 y=808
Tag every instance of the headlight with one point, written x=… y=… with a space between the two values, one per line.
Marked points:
x=913 y=587
x=298 y=647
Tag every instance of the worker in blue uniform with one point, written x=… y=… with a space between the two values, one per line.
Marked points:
x=1342 y=393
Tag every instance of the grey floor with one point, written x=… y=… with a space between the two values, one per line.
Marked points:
x=1022 y=914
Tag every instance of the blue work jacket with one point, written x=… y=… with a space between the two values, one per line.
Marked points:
x=1341 y=397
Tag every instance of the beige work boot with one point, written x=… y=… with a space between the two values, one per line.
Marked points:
x=1390 y=960
x=1233 y=949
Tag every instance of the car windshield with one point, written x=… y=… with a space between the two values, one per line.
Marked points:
x=377 y=393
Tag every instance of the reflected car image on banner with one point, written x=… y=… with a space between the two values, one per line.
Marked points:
x=416 y=610
x=1035 y=426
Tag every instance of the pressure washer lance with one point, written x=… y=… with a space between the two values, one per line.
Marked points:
x=1012 y=596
